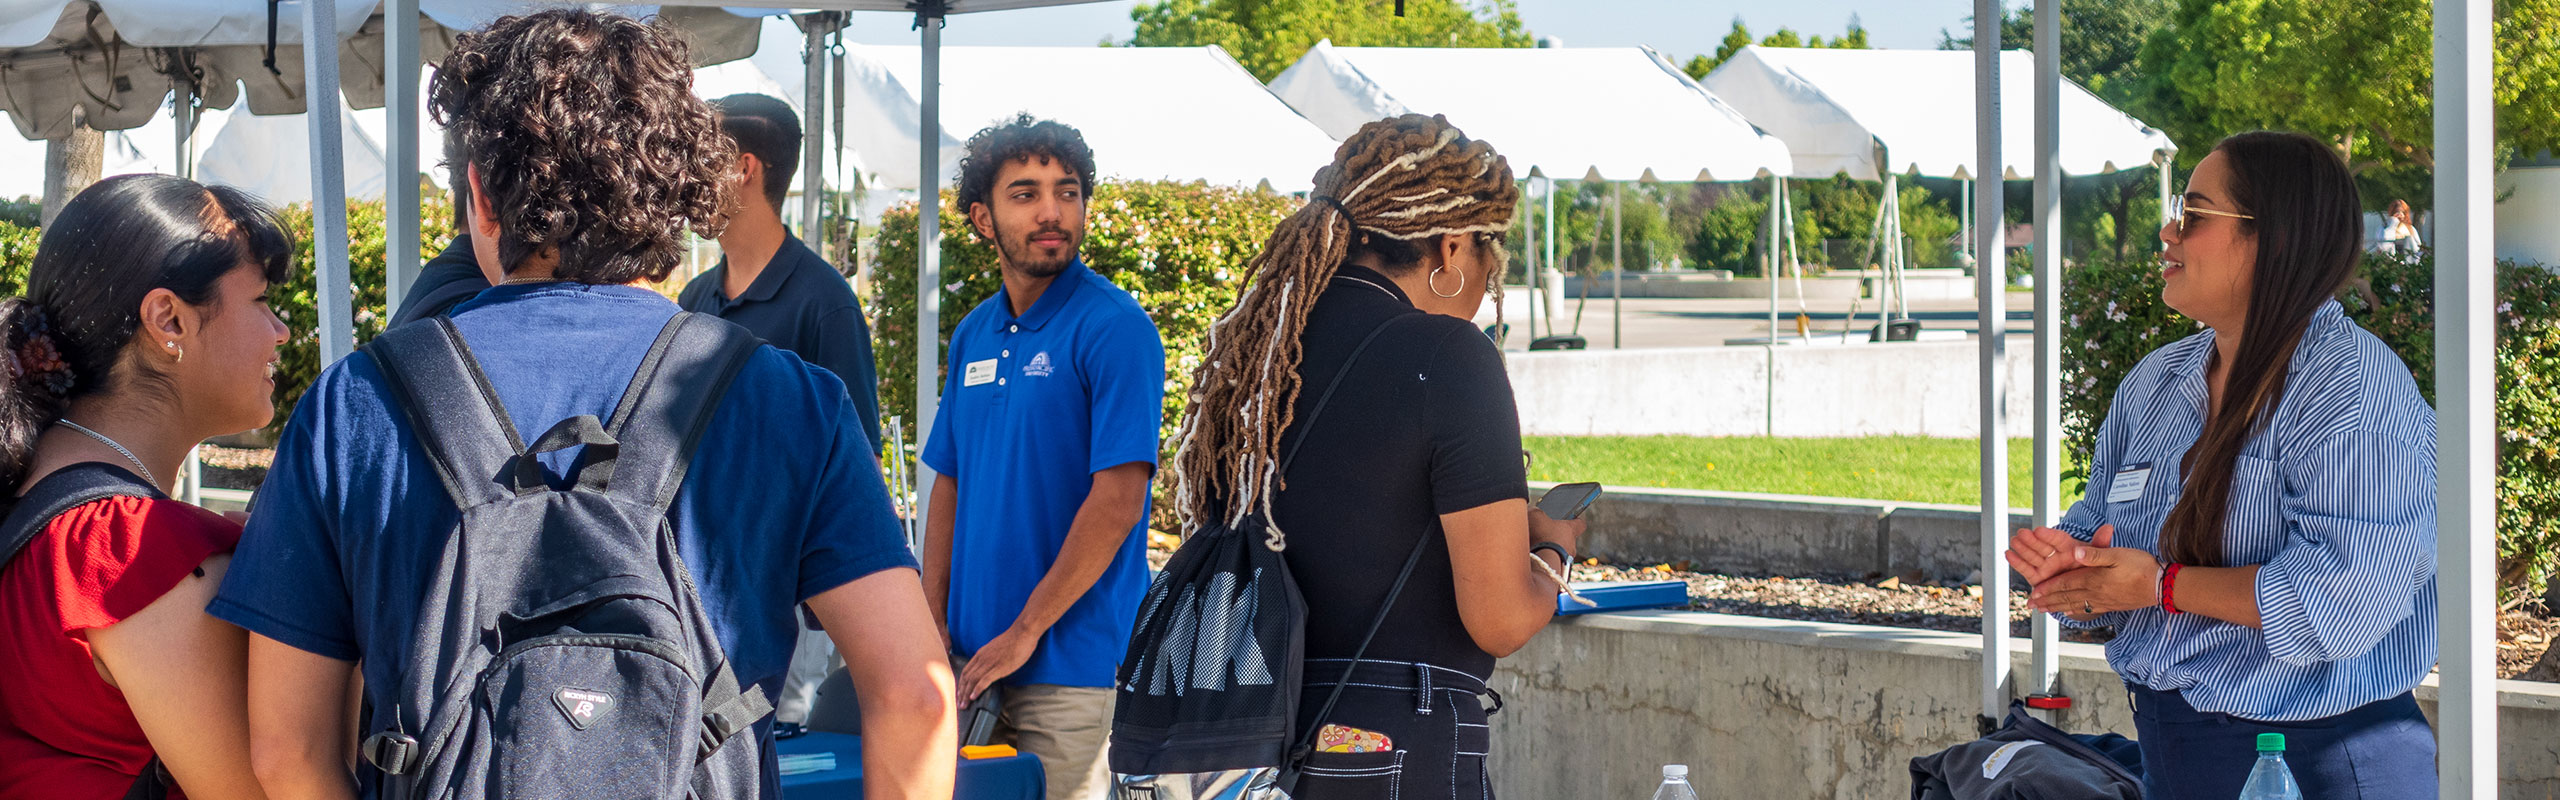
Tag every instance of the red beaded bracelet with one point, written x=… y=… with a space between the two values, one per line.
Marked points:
x=2169 y=588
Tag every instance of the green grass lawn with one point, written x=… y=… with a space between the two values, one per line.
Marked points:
x=1905 y=468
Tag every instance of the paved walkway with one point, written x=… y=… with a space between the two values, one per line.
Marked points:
x=1697 y=322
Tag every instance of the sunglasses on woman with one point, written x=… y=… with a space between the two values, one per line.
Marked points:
x=2178 y=212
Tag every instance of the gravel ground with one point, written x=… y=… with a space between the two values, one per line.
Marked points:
x=2524 y=639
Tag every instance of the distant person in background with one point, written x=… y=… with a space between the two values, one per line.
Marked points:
x=2260 y=528
x=2399 y=231
x=145 y=329
x=453 y=276
x=778 y=289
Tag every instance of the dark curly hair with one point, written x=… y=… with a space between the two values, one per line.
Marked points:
x=1021 y=137
x=588 y=140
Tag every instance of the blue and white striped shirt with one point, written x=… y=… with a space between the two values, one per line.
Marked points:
x=2335 y=500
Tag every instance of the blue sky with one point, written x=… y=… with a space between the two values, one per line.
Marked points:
x=1678 y=28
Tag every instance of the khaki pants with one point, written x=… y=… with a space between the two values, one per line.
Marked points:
x=1066 y=727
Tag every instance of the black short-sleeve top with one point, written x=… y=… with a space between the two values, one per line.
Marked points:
x=1422 y=425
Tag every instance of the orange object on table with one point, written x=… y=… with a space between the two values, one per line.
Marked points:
x=978 y=751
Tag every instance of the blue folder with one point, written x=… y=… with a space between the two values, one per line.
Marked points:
x=1624 y=595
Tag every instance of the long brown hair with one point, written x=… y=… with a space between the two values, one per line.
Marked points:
x=1395 y=183
x=2308 y=224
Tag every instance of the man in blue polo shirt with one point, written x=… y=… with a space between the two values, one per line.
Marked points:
x=1045 y=443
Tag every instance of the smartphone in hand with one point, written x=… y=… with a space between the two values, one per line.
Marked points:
x=1567 y=501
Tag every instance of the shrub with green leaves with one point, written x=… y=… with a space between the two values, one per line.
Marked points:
x=17 y=253
x=2113 y=316
x=1180 y=248
x=297 y=300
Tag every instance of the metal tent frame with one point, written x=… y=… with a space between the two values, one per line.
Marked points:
x=2467 y=713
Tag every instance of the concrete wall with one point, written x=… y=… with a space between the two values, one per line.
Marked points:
x=2528 y=221
x=1902 y=388
x=1766 y=708
x=1785 y=534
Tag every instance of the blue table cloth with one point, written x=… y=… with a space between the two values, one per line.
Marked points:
x=1010 y=778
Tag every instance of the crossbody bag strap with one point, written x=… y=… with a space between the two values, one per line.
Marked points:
x=1326 y=399
x=1306 y=741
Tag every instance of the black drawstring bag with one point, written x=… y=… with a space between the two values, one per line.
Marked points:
x=1210 y=681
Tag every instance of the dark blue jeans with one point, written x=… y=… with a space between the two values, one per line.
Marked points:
x=2382 y=750
x=1435 y=715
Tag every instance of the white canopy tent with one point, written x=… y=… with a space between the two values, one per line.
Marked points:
x=1881 y=114
x=1612 y=113
x=1182 y=113
x=1601 y=113
x=270 y=157
x=1871 y=112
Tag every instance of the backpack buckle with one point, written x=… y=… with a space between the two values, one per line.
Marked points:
x=392 y=752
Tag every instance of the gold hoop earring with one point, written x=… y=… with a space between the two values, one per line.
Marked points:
x=1433 y=280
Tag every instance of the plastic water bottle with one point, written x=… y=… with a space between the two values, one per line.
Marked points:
x=2271 y=779
x=1675 y=784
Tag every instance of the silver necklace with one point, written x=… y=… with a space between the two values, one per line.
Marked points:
x=102 y=439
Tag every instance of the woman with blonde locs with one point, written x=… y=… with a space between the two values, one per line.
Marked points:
x=1381 y=271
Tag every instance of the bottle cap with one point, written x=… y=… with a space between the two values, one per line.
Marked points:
x=1675 y=771
x=2270 y=742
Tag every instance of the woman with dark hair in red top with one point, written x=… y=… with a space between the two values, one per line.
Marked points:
x=144 y=330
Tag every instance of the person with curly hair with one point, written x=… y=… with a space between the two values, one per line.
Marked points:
x=1034 y=553
x=586 y=157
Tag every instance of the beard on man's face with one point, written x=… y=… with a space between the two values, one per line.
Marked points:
x=1037 y=260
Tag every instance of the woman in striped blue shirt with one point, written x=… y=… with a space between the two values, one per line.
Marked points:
x=2260 y=524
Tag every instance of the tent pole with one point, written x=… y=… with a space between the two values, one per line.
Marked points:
x=1618 y=264
x=1548 y=241
x=928 y=330
x=2466 y=392
x=2168 y=161
x=328 y=178
x=2045 y=669
x=1530 y=249
x=400 y=68
x=1769 y=270
x=183 y=110
x=1988 y=284
x=813 y=115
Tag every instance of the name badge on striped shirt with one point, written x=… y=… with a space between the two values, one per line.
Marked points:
x=2129 y=483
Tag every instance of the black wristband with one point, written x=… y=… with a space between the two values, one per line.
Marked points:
x=1557 y=548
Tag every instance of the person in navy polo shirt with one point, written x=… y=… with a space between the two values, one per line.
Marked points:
x=1045 y=445
x=778 y=289
x=767 y=280
x=782 y=504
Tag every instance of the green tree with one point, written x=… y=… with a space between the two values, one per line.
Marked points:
x=1267 y=36
x=2102 y=41
x=1854 y=38
x=2358 y=72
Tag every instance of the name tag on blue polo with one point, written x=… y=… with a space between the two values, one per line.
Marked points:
x=980 y=372
x=2129 y=483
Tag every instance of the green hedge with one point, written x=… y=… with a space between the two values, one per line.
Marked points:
x=1180 y=248
x=297 y=300
x=2114 y=316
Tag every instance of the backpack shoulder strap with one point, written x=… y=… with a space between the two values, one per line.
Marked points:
x=662 y=416
x=451 y=407
x=67 y=488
